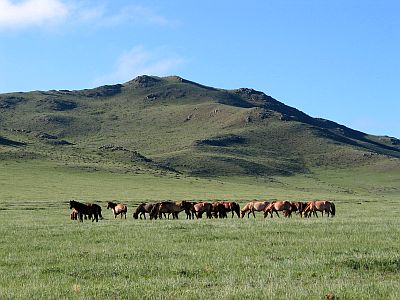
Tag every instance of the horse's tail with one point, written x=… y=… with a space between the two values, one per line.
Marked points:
x=333 y=209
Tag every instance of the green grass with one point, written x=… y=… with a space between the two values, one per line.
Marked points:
x=44 y=255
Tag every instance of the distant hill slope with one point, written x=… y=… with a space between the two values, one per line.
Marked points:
x=172 y=124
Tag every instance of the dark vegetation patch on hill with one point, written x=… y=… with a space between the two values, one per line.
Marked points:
x=8 y=142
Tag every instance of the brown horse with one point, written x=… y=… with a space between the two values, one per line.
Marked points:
x=276 y=206
x=253 y=206
x=168 y=207
x=202 y=207
x=322 y=206
x=297 y=207
x=142 y=209
x=86 y=209
x=218 y=210
x=118 y=209
x=233 y=207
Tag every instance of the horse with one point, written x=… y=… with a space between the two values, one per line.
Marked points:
x=253 y=206
x=169 y=207
x=85 y=209
x=218 y=210
x=142 y=209
x=97 y=208
x=322 y=206
x=298 y=207
x=202 y=207
x=189 y=210
x=118 y=209
x=278 y=206
x=233 y=207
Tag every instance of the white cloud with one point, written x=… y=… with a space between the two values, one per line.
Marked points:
x=133 y=14
x=28 y=13
x=23 y=14
x=139 y=61
x=137 y=14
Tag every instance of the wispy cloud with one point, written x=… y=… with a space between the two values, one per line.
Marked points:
x=139 y=61
x=102 y=16
x=22 y=14
x=28 y=13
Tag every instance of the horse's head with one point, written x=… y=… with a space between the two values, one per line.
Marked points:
x=71 y=204
x=110 y=205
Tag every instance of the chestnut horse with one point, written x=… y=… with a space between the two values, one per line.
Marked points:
x=202 y=207
x=322 y=206
x=276 y=206
x=232 y=206
x=253 y=206
x=118 y=209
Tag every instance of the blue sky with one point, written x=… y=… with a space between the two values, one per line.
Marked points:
x=335 y=59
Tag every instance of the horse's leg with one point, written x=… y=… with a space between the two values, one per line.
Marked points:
x=254 y=214
x=276 y=212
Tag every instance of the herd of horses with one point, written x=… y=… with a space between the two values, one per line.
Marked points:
x=220 y=209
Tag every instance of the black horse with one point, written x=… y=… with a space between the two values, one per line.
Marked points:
x=90 y=210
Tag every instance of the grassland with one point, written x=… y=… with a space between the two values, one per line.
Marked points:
x=154 y=139
x=44 y=255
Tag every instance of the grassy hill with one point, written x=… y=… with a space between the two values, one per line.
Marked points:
x=170 y=124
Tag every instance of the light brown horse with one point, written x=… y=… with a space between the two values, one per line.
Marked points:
x=74 y=214
x=253 y=206
x=322 y=206
x=276 y=206
x=118 y=209
x=202 y=207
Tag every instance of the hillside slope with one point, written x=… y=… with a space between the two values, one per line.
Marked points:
x=174 y=125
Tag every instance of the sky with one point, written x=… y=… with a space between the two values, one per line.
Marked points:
x=333 y=59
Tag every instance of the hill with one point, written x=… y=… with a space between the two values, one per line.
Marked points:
x=169 y=124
